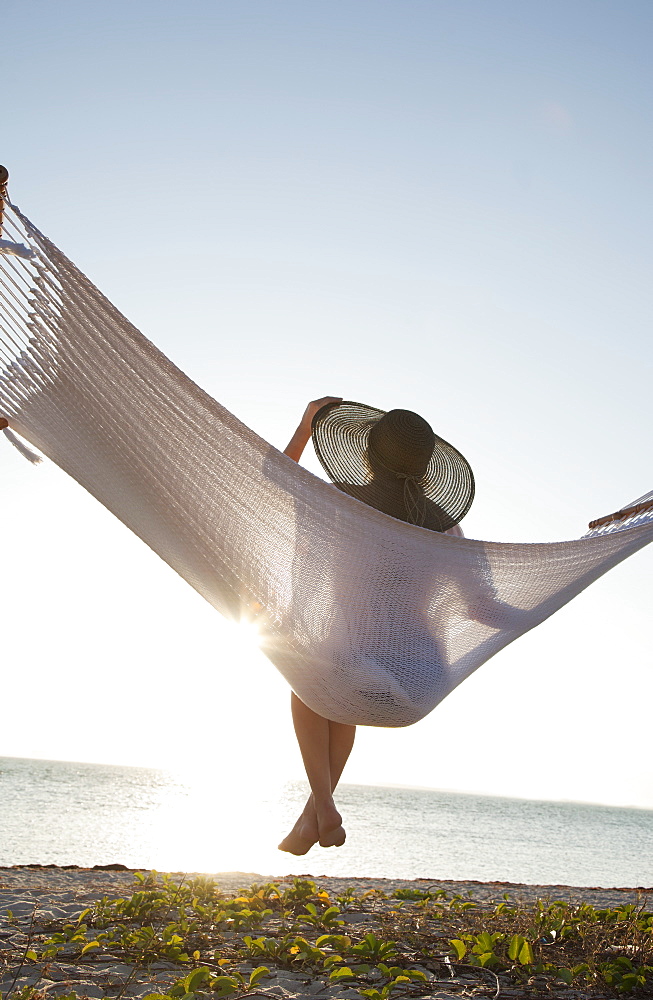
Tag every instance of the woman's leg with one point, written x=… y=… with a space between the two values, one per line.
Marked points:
x=325 y=747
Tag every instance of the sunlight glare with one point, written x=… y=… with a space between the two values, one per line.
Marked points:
x=245 y=633
x=212 y=826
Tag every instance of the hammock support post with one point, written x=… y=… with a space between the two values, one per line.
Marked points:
x=4 y=178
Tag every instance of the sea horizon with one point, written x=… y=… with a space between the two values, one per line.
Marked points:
x=180 y=772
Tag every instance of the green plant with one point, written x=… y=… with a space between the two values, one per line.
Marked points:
x=202 y=979
x=273 y=949
x=623 y=975
x=300 y=890
x=327 y=920
x=374 y=949
x=347 y=897
x=397 y=978
x=208 y=934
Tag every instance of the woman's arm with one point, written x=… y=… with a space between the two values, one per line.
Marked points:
x=300 y=438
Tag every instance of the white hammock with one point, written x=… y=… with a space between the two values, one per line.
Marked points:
x=370 y=620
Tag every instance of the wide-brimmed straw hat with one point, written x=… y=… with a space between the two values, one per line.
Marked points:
x=395 y=462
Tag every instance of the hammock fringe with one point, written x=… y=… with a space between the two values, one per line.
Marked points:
x=20 y=446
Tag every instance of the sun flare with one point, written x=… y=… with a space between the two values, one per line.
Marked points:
x=246 y=633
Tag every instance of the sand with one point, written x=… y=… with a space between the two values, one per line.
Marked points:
x=40 y=896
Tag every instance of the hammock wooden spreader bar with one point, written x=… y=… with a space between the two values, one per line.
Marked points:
x=621 y=515
x=371 y=620
x=4 y=177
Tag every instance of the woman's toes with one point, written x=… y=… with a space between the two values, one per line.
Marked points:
x=301 y=838
x=333 y=838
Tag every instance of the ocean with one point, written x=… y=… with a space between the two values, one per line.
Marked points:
x=54 y=812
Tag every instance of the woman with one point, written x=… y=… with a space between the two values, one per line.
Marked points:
x=394 y=462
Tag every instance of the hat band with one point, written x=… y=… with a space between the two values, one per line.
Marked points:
x=414 y=498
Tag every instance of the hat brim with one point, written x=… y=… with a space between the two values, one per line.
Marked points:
x=341 y=434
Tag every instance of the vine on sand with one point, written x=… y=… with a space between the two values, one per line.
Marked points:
x=410 y=944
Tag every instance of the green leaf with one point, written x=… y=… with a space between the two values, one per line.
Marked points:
x=566 y=975
x=258 y=974
x=333 y=940
x=89 y=947
x=459 y=947
x=224 y=986
x=515 y=946
x=196 y=978
x=343 y=973
x=526 y=954
x=486 y=942
x=32 y=956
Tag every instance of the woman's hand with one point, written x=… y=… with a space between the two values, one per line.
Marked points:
x=316 y=405
x=300 y=438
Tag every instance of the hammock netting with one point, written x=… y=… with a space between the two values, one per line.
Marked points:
x=371 y=621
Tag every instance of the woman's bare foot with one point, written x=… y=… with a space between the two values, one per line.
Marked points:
x=310 y=829
x=304 y=833
x=329 y=825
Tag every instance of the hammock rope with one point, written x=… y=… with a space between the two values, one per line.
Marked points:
x=371 y=620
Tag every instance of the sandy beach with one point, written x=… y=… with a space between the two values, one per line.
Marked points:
x=37 y=901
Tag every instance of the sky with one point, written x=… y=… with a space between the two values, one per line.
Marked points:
x=436 y=204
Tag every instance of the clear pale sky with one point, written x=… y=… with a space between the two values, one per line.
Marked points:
x=443 y=205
